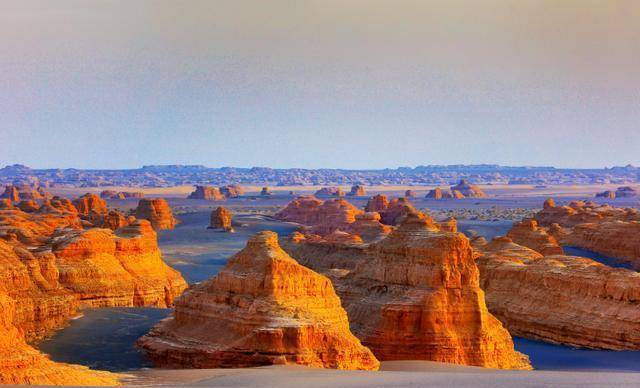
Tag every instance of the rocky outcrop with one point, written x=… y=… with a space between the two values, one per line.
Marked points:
x=416 y=295
x=468 y=190
x=232 y=191
x=114 y=220
x=221 y=219
x=263 y=308
x=396 y=211
x=335 y=214
x=113 y=194
x=368 y=227
x=409 y=194
x=626 y=192
x=156 y=211
x=302 y=210
x=528 y=234
x=329 y=192
x=377 y=203
x=561 y=299
x=28 y=206
x=603 y=229
x=22 y=364
x=5 y=204
x=266 y=191
x=606 y=194
x=208 y=193
x=11 y=193
x=357 y=191
x=90 y=204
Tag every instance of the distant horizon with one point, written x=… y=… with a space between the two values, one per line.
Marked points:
x=323 y=168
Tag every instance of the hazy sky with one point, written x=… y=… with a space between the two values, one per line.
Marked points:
x=355 y=84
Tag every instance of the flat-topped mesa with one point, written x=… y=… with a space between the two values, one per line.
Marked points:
x=528 y=234
x=221 y=220
x=208 y=193
x=329 y=192
x=468 y=190
x=156 y=211
x=417 y=297
x=124 y=268
x=263 y=308
x=21 y=364
x=357 y=191
x=232 y=191
x=603 y=229
x=266 y=191
x=560 y=299
x=377 y=203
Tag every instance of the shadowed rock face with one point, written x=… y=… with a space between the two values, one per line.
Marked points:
x=208 y=193
x=416 y=295
x=377 y=203
x=329 y=192
x=263 y=308
x=265 y=191
x=112 y=194
x=603 y=229
x=232 y=191
x=560 y=299
x=90 y=203
x=156 y=211
x=11 y=193
x=221 y=219
x=468 y=190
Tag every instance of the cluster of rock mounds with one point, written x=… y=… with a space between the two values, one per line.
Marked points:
x=17 y=193
x=113 y=194
x=462 y=190
x=621 y=192
x=603 y=229
x=211 y=193
x=357 y=191
x=414 y=295
x=329 y=192
x=263 y=308
x=52 y=262
x=333 y=220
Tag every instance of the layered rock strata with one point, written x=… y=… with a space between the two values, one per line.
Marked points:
x=208 y=193
x=263 y=308
x=156 y=211
x=221 y=219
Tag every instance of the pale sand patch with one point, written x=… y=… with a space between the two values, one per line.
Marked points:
x=392 y=374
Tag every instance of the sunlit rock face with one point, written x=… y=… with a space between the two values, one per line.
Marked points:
x=528 y=234
x=468 y=190
x=90 y=203
x=263 y=308
x=22 y=364
x=415 y=295
x=232 y=191
x=607 y=230
x=221 y=219
x=329 y=192
x=560 y=299
x=332 y=219
x=208 y=193
x=157 y=212
x=377 y=203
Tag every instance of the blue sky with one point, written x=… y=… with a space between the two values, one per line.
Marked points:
x=366 y=84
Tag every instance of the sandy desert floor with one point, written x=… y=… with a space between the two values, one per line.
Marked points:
x=392 y=374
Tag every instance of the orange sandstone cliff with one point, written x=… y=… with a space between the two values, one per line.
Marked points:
x=561 y=299
x=263 y=308
x=156 y=211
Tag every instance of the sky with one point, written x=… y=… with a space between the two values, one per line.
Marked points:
x=335 y=84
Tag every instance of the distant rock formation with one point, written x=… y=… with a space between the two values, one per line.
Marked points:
x=28 y=206
x=113 y=194
x=302 y=210
x=24 y=193
x=329 y=192
x=626 y=192
x=409 y=193
x=357 y=191
x=266 y=191
x=468 y=190
x=11 y=193
x=528 y=234
x=158 y=212
x=208 y=193
x=606 y=194
x=415 y=295
x=90 y=204
x=263 y=308
x=114 y=220
x=232 y=191
x=221 y=219
x=569 y=300
x=377 y=203
x=396 y=211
